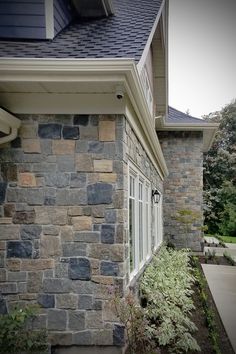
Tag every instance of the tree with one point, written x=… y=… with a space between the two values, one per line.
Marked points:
x=220 y=174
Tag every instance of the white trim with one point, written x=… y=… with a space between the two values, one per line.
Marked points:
x=123 y=71
x=149 y=41
x=49 y=18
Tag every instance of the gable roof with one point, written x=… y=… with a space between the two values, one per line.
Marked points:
x=175 y=116
x=123 y=35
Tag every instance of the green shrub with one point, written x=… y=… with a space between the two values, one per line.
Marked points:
x=16 y=334
x=166 y=284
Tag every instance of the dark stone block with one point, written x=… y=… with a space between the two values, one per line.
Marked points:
x=9 y=172
x=3 y=188
x=85 y=302
x=49 y=131
x=30 y=232
x=119 y=336
x=108 y=233
x=96 y=147
x=79 y=268
x=15 y=144
x=109 y=268
x=99 y=193
x=110 y=216
x=46 y=300
x=78 y=180
x=49 y=201
x=24 y=217
x=81 y=119
x=19 y=249
x=3 y=307
x=70 y=133
x=97 y=305
x=9 y=210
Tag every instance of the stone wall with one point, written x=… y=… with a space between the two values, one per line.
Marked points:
x=183 y=186
x=62 y=225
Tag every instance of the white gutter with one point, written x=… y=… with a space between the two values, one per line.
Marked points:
x=9 y=124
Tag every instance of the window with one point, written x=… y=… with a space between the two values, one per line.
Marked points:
x=139 y=219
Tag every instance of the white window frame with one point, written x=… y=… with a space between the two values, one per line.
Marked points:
x=146 y=211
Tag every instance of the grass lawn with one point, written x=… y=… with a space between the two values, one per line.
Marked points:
x=228 y=239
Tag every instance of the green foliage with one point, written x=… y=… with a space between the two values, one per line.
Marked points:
x=227 y=239
x=133 y=317
x=17 y=337
x=166 y=284
x=220 y=174
x=229 y=258
x=208 y=312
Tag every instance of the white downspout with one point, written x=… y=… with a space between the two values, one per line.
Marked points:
x=10 y=121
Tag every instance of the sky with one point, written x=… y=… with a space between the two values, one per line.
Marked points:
x=202 y=55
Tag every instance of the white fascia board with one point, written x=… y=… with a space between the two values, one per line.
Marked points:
x=149 y=41
x=69 y=70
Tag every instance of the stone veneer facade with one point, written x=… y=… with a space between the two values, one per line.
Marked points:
x=64 y=223
x=183 y=186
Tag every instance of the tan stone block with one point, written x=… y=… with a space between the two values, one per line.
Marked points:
x=37 y=264
x=51 y=215
x=2 y=245
x=75 y=211
x=63 y=147
x=107 y=130
x=50 y=246
x=103 y=165
x=13 y=264
x=103 y=279
x=28 y=297
x=84 y=163
x=34 y=283
x=93 y=177
x=5 y=220
x=31 y=146
x=94 y=319
x=67 y=234
x=3 y=275
x=107 y=177
x=109 y=313
x=28 y=130
x=27 y=179
x=82 y=223
x=67 y=301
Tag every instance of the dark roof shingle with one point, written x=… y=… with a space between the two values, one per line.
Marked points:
x=175 y=116
x=123 y=35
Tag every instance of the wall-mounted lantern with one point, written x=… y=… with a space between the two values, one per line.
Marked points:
x=156 y=196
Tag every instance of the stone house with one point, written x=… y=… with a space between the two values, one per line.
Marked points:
x=87 y=143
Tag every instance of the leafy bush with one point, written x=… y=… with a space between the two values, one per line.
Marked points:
x=133 y=317
x=166 y=284
x=17 y=337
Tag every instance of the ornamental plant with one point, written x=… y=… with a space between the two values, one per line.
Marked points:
x=16 y=334
x=166 y=285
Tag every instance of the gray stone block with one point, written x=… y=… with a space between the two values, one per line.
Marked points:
x=110 y=216
x=8 y=288
x=57 y=320
x=61 y=270
x=51 y=230
x=71 y=197
x=76 y=320
x=99 y=193
x=78 y=180
x=49 y=131
x=81 y=146
x=65 y=163
x=74 y=249
x=108 y=233
x=19 y=249
x=85 y=302
x=30 y=232
x=17 y=276
x=109 y=268
x=67 y=301
x=58 y=180
x=88 y=237
x=46 y=300
x=80 y=269
x=82 y=338
x=96 y=147
x=83 y=287
x=3 y=307
x=57 y=286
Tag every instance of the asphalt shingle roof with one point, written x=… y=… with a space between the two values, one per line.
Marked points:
x=123 y=35
x=175 y=116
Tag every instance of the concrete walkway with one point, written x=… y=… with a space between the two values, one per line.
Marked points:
x=222 y=283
